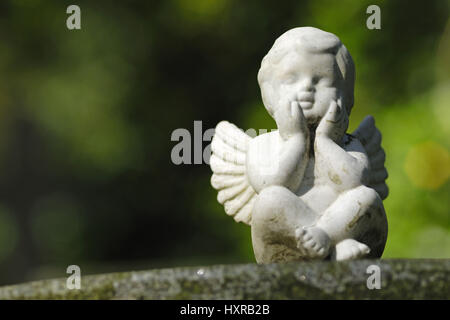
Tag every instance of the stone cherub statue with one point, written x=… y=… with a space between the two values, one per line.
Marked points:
x=308 y=190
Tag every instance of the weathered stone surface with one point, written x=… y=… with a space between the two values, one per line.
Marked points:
x=400 y=279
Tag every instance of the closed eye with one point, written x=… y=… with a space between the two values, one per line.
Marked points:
x=289 y=78
x=325 y=82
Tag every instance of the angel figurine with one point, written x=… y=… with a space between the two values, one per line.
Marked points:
x=309 y=190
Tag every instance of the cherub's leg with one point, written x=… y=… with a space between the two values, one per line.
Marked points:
x=276 y=215
x=356 y=223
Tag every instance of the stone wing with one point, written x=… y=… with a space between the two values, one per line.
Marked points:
x=228 y=163
x=370 y=137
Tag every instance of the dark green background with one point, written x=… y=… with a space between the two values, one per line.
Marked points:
x=86 y=117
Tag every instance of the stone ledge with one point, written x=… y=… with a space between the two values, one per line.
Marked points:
x=400 y=279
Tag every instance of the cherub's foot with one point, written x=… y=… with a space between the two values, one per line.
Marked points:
x=312 y=242
x=350 y=249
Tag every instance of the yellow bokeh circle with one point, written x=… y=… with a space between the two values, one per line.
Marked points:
x=427 y=165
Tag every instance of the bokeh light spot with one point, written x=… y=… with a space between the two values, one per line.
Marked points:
x=427 y=165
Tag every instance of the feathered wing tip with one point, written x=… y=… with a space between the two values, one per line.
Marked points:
x=229 y=147
x=370 y=137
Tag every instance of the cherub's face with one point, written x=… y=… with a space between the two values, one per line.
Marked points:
x=311 y=79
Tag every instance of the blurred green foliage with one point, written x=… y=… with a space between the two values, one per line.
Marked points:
x=86 y=118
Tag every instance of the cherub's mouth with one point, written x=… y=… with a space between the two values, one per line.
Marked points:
x=306 y=100
x=306 y=104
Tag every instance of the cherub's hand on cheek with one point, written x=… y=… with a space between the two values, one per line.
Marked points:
x=290 y=119
x=334 y=124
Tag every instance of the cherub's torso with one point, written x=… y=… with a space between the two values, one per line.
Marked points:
x=318 y=188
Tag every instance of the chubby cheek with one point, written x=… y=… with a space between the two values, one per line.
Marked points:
x=278 y=94
x=322 y=102
x=270 y=94
x=324 y=99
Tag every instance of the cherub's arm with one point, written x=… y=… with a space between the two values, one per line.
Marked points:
x=345 y=169
x=288 y=155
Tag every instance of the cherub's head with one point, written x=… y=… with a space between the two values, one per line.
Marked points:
x=310 y=66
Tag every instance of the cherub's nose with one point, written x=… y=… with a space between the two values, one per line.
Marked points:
x=307 y=85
